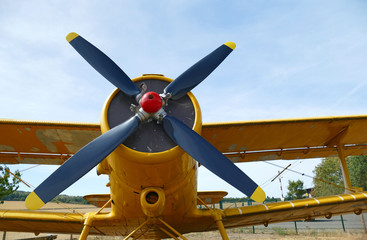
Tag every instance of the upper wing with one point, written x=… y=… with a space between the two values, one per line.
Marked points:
x=40 y=142
x=288 y=139
x=305 y=209
x=53 y=142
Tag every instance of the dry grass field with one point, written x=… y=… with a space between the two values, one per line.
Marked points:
x=240 y=233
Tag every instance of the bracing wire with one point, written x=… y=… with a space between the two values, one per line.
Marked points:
x=26 y=169
x=267 y=182
x=314 y=178
x=32 y=187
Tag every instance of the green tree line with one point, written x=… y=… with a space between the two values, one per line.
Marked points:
x=21 y=196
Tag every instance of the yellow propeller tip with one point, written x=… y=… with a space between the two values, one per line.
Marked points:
x=33 y=202
x=258 y=195
x=231 y=45
x=70 y=37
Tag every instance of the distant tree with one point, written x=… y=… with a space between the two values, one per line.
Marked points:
x=329 y=171
x=70 y=199
x=17 y=196
x=272 y=199
x=295 y=190
x=8 y=183
x=357 y=166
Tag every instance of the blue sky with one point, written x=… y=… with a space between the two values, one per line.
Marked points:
x=293 y=59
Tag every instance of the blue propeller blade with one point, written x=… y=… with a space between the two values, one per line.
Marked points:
x=80 y=164
x=207 y=155
x=198 y=72
x=103 y=64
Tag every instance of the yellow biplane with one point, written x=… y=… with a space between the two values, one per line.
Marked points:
x=151 y=141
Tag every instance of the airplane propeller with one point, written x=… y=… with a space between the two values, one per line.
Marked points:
x=103 y=64
x=198 y=72
x=151 y=106
x=208 y=156
x=80 y=164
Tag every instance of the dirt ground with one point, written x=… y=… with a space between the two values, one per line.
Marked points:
x=239 y=233
x=233 y=235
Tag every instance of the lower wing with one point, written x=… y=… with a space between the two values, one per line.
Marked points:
x=38 y=222
x=304 y=209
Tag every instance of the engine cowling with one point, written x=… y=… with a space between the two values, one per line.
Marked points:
x=150 y=136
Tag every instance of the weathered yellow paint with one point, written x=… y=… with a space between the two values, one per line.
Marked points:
x=6 y=148
x=98 y=200
x=211 y=197
x=40 y=142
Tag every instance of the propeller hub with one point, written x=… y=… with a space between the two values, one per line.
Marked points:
x=151 y=102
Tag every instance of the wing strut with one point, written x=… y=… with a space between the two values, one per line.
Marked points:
x=337 y=141
x=151 y=220
x=218 y=216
